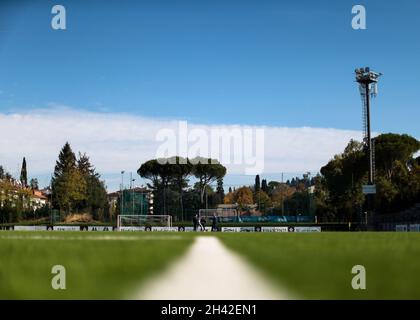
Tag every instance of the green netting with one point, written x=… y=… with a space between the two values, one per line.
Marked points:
x=55 y=216
x=134 y=203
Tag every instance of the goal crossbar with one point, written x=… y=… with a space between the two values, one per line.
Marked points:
x=219 y=212
x=124 y=220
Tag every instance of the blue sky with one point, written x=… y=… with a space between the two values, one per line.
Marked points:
x=275 y=63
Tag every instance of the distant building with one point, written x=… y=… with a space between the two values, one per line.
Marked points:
x=38 y=200
x=14 y=194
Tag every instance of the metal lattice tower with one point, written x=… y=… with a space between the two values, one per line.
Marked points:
x=368 y=80
x=364 y=115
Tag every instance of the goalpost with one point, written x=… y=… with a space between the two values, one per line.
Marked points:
x=221 y=213
x=126 y=221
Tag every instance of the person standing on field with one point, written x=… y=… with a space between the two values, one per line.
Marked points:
x=203 y=224
x=214 y=223
x=195 y=222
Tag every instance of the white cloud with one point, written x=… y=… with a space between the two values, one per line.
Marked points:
x=122 y=141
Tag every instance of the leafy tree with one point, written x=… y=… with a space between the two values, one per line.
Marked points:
x=14 y=201
x=387 y=194
x=95 y=199
x=149 y=170
x=344 y=177
x=191 y=203
x=243 y=197
x=68 y=184
x=84 y=166
x=69 y=189
x=161 y=173
x=169 y=180
x=220 y=191
x=339 y=189
x=394 y=147
x=229 y=198
x=262 y=200
x=4 y=175
x=180 y=170
x=34 y=184
x=272 y=185
x=280 y=194
x=298 y=204
x=207 y=171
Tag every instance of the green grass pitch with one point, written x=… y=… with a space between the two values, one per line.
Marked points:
x=318 y=265
x=99 y=265
x=102 y=265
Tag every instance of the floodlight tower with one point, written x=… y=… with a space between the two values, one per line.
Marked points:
x=368 y=85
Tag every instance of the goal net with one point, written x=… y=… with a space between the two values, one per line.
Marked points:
x=143 y=221
x=222 y=214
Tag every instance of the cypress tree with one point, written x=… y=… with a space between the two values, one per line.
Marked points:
x=264 y=185
x=257 y=183
x=219 y=188
x=24 y=174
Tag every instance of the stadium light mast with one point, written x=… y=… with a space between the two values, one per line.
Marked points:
x=368 y=86
x=122 y=192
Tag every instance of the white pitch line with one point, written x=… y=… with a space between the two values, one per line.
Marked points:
x=90 y=237
x=209 y=271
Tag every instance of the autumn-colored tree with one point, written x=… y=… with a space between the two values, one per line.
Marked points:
x=282 y=193
x=229 y=198
x=262 y=200
x=243 y=197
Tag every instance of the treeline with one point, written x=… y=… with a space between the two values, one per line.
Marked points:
x=182 y=186
x=338 y=191
x=291 y=198
x=75 y=187
x=174 y=194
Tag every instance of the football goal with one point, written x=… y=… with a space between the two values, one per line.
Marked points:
x=221 y=213
x=130 y=221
